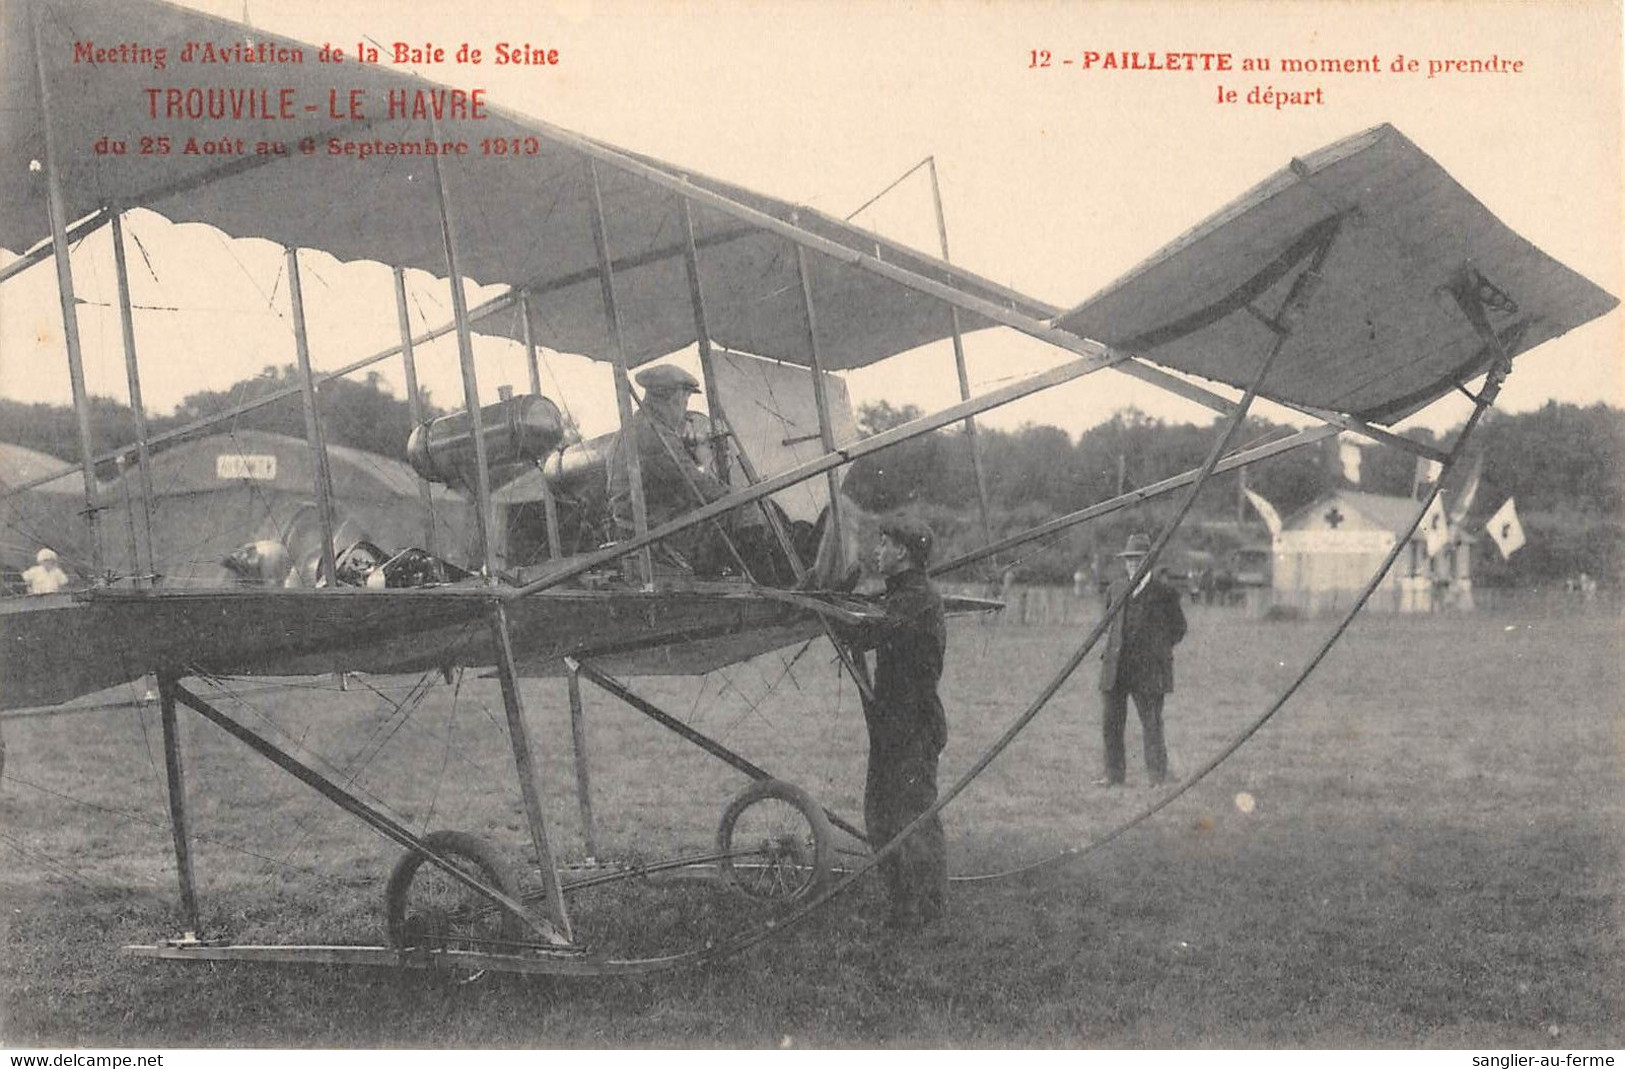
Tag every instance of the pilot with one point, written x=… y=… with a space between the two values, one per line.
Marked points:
x=674 y=480
x=46 y=576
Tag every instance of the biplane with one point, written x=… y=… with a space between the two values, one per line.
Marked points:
x=1356 y=285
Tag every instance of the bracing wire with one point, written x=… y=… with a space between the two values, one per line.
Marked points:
x=62 y=868
x=135 y=817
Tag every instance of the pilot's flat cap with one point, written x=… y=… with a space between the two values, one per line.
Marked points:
x=667 y=378
x=912 y=534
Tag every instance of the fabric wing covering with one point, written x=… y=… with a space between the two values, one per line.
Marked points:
x=524 y=220
x=1377 y=341
x=1380 y=338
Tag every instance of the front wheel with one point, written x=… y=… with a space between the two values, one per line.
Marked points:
x=424 y=906
x=775 y=843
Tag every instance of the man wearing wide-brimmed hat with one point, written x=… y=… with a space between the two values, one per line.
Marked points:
x=1139 y=661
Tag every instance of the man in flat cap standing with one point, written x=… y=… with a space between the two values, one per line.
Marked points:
x=674 y=481
x=907 y=726
x=1139 y=661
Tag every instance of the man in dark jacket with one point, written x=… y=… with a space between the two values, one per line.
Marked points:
x=674 y=483
x=1139 y=661
x=907 y=726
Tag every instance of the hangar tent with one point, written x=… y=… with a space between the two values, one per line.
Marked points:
x=1325 y=551
x=211 y=495
x=47 y=515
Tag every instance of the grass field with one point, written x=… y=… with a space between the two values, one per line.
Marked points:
x=1433 y=857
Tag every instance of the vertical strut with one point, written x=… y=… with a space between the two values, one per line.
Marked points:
x=179 y=825
x=550 y=507
x=121 y=464
x=530 y=344
x=132 y=373
x=58 y=211
x=714 y=407
x=313 y=423
x=414 y=402
x=971 y=439
x=623 y=388
x=519 y=736
x=578 y=740
x=465 y=357
x=525 y=766
x=826 y=432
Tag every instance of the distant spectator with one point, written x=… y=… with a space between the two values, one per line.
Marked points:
x=46 y=576
x=1138 y=663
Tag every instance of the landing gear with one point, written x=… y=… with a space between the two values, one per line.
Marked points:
x=425 y=907
x=774 y=843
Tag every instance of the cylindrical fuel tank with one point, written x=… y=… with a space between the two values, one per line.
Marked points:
x=524 y=428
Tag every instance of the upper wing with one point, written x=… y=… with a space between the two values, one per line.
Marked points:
x=1377 y=341
x=528 y=222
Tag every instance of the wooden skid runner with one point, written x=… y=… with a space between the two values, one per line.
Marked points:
x=562 y=961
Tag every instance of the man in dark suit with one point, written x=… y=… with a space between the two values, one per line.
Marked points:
x=1139 y=661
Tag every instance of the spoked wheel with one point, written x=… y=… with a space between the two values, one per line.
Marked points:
x=426 y=907
x=775 y=843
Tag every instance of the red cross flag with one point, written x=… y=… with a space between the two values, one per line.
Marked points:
x=1435 y=526
x=1506 y=530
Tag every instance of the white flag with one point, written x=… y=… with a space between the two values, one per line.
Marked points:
x=1458 y=515
x=1427 y=473
x=1272 y=519
x=1435 y=527
x=1351 y=455
x=1506 y=530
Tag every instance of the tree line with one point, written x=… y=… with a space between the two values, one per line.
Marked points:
x=1563 y=464
x=360 y=413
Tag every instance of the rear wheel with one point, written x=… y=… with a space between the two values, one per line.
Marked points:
x=424 y=906
x=775 y=843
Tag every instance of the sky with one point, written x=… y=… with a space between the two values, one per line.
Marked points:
x=1055 y=180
